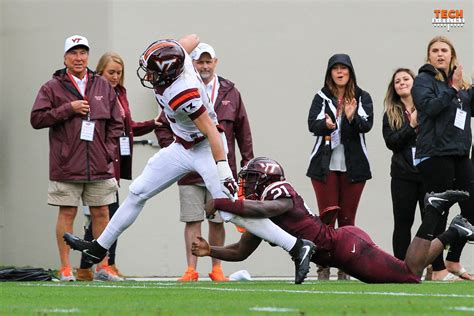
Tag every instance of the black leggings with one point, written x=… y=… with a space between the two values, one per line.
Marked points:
x=88 y=236
x=441 y=174
x=406 y=194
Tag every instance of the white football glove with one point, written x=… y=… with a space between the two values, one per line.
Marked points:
x=228 y=184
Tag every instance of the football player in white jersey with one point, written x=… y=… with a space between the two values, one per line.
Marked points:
x=199 y=146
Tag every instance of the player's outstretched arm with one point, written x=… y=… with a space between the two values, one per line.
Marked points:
x=252 y=208
x=234 y=252
x=189 y=42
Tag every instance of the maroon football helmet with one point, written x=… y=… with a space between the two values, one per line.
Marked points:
x=161 y=64
x=258 y=174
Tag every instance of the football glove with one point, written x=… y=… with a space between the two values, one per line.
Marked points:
x=228 y=184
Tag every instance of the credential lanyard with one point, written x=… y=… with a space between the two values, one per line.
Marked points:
x=73 y=80
x=124 y=140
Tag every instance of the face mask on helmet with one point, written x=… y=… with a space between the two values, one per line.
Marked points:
x=249 y=185
x=161 y=64
x=258 y=174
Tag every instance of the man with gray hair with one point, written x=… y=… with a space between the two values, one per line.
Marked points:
x=79 y=108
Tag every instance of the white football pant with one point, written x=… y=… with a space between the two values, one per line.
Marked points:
x=166 y=167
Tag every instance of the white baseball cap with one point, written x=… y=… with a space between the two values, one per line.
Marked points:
x=203 y=48
x=75 y=40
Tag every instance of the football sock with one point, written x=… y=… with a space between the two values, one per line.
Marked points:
x=448 y=237
x=267 y=230
x=294 y=251
x=126 y=214
x=430 y=220
x=85 y=264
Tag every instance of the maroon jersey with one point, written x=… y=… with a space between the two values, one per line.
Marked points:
x=348 y=248
x=300 y=221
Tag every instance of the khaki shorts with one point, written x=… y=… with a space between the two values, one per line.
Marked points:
x=192 y=199
x=97 y=193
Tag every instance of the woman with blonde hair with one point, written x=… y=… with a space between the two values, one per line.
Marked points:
x=399 y=132
x=112 y=67
x=444 y=103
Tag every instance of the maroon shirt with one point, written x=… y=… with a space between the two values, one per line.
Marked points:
x=232 y=118
x=348 y=248
x=123 y=167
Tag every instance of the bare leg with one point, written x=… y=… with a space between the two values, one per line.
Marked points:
x=99 y=219
x=216 y=238
x=436 y=248
x=417 y=253
x=64 y=224
x=191 y=231
x=421 y=253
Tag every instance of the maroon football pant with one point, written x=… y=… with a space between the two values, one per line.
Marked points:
x=354 y=252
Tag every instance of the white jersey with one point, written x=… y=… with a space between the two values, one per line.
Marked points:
x=185 y=99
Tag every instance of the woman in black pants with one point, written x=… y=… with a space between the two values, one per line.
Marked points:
x=399 y=132
x=444 y=104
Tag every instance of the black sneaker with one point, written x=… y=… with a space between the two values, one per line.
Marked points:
x=302 y=260
x=463 y=227
x=92 y=251
x=444 y=200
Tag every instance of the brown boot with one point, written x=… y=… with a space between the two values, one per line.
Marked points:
x=323 y=273
x=84 y=275
x=341 y=275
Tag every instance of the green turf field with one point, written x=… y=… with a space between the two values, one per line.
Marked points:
x=235 y=298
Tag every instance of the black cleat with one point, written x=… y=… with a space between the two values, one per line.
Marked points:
x=302 y=260
x=463 y=227
x=92 y=251
x=444 y=200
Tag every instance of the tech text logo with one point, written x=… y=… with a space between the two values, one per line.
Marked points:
x=448 y=18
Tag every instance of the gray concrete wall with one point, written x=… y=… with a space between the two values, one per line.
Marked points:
x=275 y=51
x=2 y=142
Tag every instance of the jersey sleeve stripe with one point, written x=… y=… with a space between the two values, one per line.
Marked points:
x=197 y=113
x=183 y=97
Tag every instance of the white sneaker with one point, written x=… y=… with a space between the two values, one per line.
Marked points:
x=241 y=275
x=65 y=275
x=106 y=274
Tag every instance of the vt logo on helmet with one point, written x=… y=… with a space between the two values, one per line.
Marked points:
x=258 y=174
x=161 y=64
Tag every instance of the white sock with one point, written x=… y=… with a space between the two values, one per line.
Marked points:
x=267 y=230
x=126 y=214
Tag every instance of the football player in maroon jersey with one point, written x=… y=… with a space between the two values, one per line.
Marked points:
x=268 y=195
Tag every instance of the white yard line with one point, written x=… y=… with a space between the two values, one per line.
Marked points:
x=59 y=310
x=172 y=285
x=272 y=309
x=463 y=308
